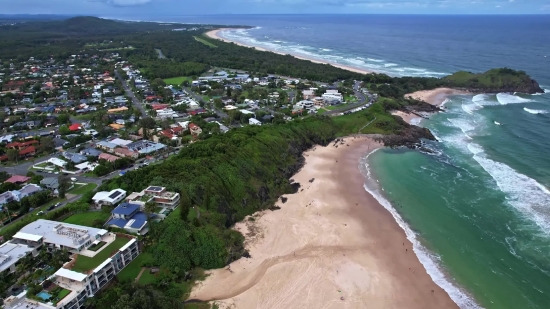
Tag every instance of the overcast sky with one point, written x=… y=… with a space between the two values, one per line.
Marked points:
x=113 y=8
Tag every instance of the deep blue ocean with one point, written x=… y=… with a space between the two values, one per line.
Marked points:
x=478 y=209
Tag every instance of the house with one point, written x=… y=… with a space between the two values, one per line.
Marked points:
x=74 y=157
x=129 y=217
x=11 y=253
x=110 y=147
x=126 y=153
x=57 y=162
x=75 y=127
x=108 y=157
x=109 y=197
x=305 y=104
x=308 y=94
x=90 y=152
x=27 y=152
x=85 y=167
x=155 y=194
x=18 y=179
x=17 y=195
x=21 y=145
x=145 y=147
x=60 y=142
x=120 y=142
x=51 y=183
x=195 y=129
x=254 y=121
x=13 y=85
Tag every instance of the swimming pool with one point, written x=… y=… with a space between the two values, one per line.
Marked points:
x=44 y=295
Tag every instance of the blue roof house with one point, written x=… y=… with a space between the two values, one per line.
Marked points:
x=130 y=218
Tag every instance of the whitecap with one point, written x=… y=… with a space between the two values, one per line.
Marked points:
x=506 y=98
x=535 y=111
x=546 y=90
x=523 y=193
x=430 y=261
x=375 y=60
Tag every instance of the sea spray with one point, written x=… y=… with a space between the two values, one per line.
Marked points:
x=430 y=261
x=535 y=111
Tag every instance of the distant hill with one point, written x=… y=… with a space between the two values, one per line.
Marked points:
x=495 y=80
x=76 y=26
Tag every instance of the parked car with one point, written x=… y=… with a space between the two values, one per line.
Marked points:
x=51 y=208
x=57 y=204
x=73 y=179
x=40 y=213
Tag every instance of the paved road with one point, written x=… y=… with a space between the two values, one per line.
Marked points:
x=135 y=102
x=219 y=113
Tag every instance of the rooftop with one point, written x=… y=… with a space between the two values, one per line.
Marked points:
x=85 y=264
x=10 y=253
x=125 y=209
x=65 y=234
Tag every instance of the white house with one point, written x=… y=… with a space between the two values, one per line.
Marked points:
x=305 y=104
x=109 y=197
x=254 y=121
x=57 y=162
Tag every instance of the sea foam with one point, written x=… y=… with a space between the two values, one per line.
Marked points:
x=535 y=111
x=429 y=260
x=505 y=98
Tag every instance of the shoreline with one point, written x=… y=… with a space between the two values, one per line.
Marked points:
x=436 y=97
x=213 y=34
x=331 y=243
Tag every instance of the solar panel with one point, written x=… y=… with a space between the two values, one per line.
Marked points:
x=114 y=194
x=155 y=189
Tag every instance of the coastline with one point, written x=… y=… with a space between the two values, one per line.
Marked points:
x=331 y=245
x=214 y=35
x=435 y=97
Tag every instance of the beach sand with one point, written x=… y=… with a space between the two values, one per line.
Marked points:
x=331 y=245
x=409 y=118
x=435 y=96
x=214 y=35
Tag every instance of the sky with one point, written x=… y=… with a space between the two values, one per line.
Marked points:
x=151 y=8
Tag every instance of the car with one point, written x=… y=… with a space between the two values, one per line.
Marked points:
x=57 y=204
x=40 y=213
x=51 y=208
x=73 y=179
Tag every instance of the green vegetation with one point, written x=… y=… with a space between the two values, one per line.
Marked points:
x=83 y=189
x=90 y=218
x=146 y=278
x=84 y=263
x=130 y=272
x=495 y=80
x=203 y=41
x=62 y=294
x=377 y=119
x=177 y=81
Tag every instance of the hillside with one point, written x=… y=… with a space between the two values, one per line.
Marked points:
x=495 y=80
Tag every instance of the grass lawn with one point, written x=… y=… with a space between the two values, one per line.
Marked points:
x=205 y=42
x=176 y=81
x=84 y=263
x=130 y=272
x=192 y=214
x=333 y=107
x=350 y=124
x=83 y=189
x=62 y=294
x=146 y=278
x=87 y=218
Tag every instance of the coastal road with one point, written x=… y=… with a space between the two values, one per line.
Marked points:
x=135 y=102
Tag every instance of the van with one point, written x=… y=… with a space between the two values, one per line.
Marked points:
x=73 y=179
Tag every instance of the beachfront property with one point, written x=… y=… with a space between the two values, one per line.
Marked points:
x=130 y=218
x=157 y=195
x=332 y=95
x=98 y=256
x=112 y=197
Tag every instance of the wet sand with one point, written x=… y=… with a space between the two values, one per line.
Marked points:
x=331 y=245
x=214 y=35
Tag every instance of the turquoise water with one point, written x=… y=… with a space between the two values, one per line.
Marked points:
x=44 y=295
x=479 y=205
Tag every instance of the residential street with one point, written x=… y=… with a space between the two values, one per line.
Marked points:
x=135 y=102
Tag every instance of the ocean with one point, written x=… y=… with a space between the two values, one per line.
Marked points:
x=477 y=209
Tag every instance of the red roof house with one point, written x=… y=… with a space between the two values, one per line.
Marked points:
x=74 y=127
x=29 y=151
x=18 y=179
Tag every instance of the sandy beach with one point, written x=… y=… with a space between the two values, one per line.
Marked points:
x=214 y=35
x=331 y=245
x=409 y=118
x=435 y=96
